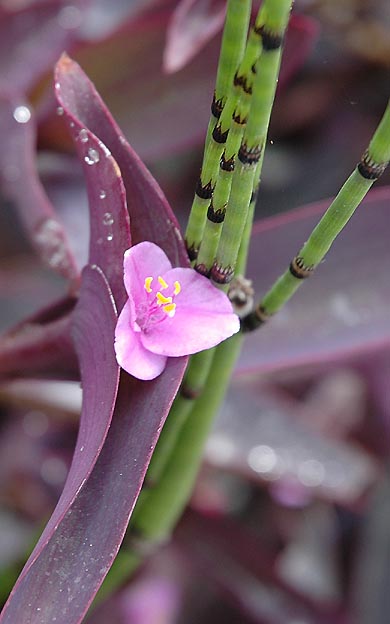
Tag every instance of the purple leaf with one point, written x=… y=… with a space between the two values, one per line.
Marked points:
x=272 y=443
x=83 y=536
x=93 y=327
x=151 y=216
x=31 y=38
x=343 y=309
x=41 y=345
x=109 y=219
x=21 y=183
x=193 y=23
x=302 y=34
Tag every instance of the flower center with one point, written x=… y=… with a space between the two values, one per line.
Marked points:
x=159 y=305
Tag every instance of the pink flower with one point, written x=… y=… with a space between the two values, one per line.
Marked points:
x=169 y=313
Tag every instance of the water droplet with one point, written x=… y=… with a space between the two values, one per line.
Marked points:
x=311 y=473
x=83 y=135
x=92 y=157
x=69 y=17
x=22 y=114
x=49 y=238
x=71 y=124
x=57 y=86
x=262 y=459
x=109 y=237
x=108 y=219
x=60 y=110
x=102 y=194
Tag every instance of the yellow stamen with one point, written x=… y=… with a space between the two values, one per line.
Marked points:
x=177 y=288
x=148 y=281
x=161 y=300
x=162 y=282
x=170 y=309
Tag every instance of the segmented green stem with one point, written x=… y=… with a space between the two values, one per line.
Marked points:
x=233 y=45
x=369 y=169
x=274 y=18
x=191 y=388
x=155 y=516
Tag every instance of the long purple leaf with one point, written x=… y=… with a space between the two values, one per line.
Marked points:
x=83 y=537
x=343 y=309
x=93 y=328
x=21 y=183
x=151 y=215
x=109 y=218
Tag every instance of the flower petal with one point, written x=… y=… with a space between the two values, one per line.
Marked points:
x=204 y=317
x=131 y=355
x=141 y=261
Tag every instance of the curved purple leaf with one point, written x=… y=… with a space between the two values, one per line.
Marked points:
x=109 y=218
x=151 y=216
x=343 y=309
x=31 y=39
x=21 y=183
x=84 y=534
x=93 y=327
x=82 y=538
x=193 y=23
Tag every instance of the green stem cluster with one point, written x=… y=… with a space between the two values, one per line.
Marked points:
x=232 y=50
x=178 y=453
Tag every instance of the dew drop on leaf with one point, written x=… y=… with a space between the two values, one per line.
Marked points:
x=22 y=114
x=92 y=157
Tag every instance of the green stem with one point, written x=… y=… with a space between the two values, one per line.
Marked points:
x=232 y=50
x=155 y=516
x=369 y=169
x=192 y=387
x=275 y=18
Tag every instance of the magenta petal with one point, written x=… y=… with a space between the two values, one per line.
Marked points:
x=131 y=355
x=204 y=317
x=141 y=261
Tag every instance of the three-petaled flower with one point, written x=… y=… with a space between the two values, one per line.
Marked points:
x=170 y=312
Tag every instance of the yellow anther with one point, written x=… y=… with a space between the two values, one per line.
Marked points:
x=161 y=300
x=170 y=309
x=162 y=282
x=148 y=281
x=177 y=288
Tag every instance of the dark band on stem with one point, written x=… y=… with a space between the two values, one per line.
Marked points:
x=244 y=83
x=192 y=251
x=227 y=165
x=204 y=191
x=254 y=195
x=221 y=275
x=218 y=135
x=369 y=169
x=299 y=270
x=216 y=216
x=189 y=393
x=240 y=121
x=216 y=107
x=249 y=155
x=254 y=319
x=270 y=40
